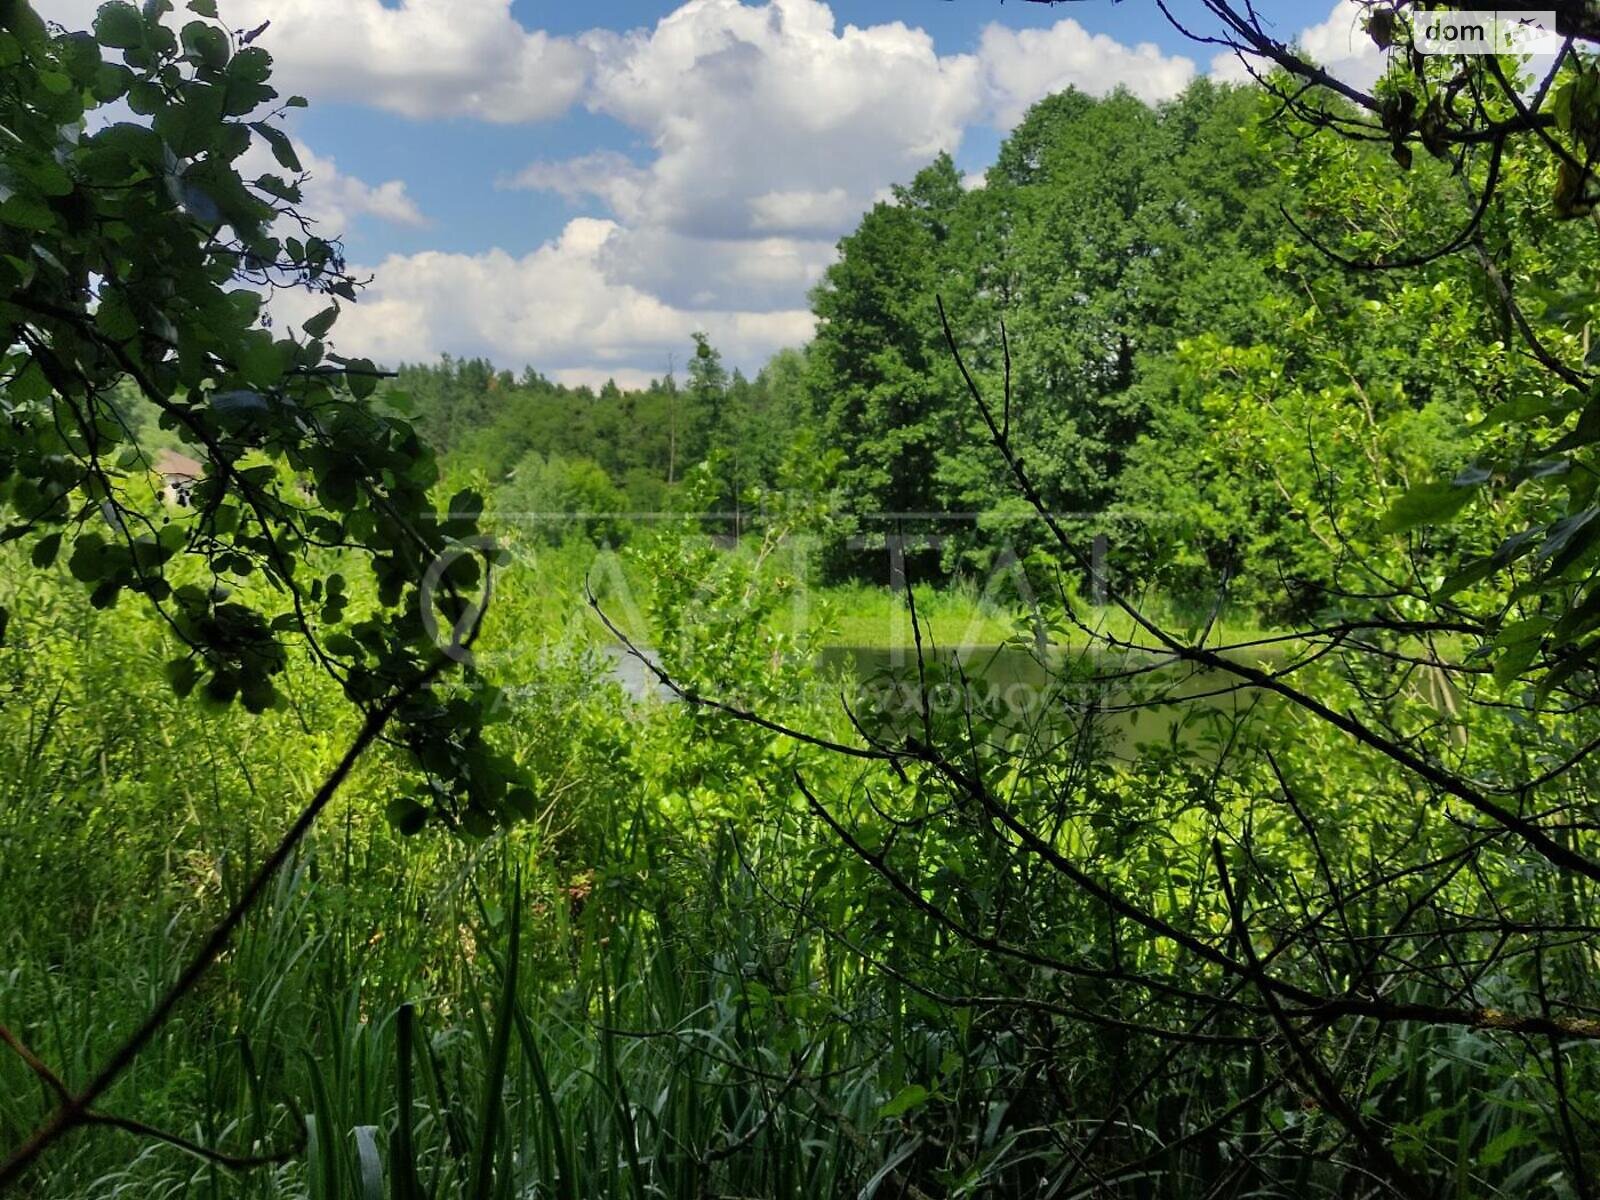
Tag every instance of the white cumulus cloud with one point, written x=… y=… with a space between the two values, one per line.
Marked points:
x=1342 y=45
x=801 y=210
x=765 y=130
x=335 y=200
x=770 y=128
x=1021 y=66
x=604 y=175
x=553 y=308
x=420 y=58
x=771 y=118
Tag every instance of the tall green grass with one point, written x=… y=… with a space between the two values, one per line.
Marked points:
x=674 y=984
x=491 y=1069
x=530 y=1015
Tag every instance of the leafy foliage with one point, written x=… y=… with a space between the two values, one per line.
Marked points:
x=134 y=254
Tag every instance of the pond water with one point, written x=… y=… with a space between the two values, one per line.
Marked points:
x=1132 y=699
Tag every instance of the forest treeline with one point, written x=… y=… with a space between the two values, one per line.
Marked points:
x=1174 y=347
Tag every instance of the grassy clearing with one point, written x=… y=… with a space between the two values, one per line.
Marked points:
x=868 y=616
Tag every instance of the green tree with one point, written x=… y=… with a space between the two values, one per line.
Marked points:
x=873 y=363
x=1106 y=231
x=553 y=498
x=706 y=398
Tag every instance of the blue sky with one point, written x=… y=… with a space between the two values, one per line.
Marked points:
x=578 y=187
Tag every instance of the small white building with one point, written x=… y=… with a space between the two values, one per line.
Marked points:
x=179 y=473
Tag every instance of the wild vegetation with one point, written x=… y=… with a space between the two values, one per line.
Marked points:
x=341 y=857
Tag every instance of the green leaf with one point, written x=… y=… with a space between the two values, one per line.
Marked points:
x=1510 y=665
x=282 y=147
x=206 y=44
x=1530 y=629
x=119 y=26
x=114 y=319
x=262 y=362
x=20 y=20
x=363 y=377
x=1569 y=538
x=277 y=188
x=1512 y=1138
x=47 y=177
x=466 y=503
x=1579 y=618
x=182 y=674
x=318 y=326
x=1474 y=573
x=1426 y=504
x=406 y=815
x=88 y=559
x=338 y=489
x=136 y=143
x=111 y=82
x=342 y=645
x=371 y=1165
x=1561 y=672
x=522 y=803
x=205 y=8
x=46 y=549
x=27 y=212
x=220 y=689
x=1508 y=552
x=909 y=1097
x=478 y=823
x=252 y=65
x=492 y=1112
x=257 y=694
